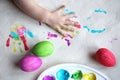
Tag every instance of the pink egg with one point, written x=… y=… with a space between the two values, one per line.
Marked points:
x=30 y=63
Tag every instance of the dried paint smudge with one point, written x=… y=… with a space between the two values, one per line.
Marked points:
x=100 y=11
x=93 y=30
x=17 y=33
x=30 y=34
x=67 y=11
x=51 y=35
x=114 y=39
x=67 y=39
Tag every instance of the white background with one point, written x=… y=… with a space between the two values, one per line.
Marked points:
x=82 y=47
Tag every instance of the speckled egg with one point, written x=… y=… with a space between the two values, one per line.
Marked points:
x=105 y=57
x=43 y=49
x=30 y=63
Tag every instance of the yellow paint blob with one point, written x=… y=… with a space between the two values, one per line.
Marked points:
x=14 y=48
x=89 y=76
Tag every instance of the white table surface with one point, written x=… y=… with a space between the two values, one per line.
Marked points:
x=82 y=46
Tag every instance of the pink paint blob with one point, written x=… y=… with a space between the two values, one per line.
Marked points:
x=30 y=63
x=77 y=26
x=21 y=31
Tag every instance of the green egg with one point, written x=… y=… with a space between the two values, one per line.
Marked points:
x=43 y=49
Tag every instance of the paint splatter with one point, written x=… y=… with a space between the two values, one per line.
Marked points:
x=93 y=30
x=100 y=11
x=114 y=39
x=51 y=35
x=18 y=33
x=29 y=33
x=68 y=42
x=67 y=39
x=67 y=11
x=88 y=18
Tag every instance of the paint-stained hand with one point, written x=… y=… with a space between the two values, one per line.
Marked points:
x=60 y=22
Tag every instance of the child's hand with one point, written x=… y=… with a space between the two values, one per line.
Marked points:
x=59 y=21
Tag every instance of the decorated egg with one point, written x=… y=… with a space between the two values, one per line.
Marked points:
x=43 y=49
x=105 y=57
x=89 y=76
x=30 y=63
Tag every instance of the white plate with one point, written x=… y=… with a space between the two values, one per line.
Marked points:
x=72 y=68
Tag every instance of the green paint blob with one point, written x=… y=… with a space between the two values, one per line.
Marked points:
x=43 y=49
x=77 y=75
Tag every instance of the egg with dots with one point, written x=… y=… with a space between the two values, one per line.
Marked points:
x=30 y=63
x=43 y=49
x=105 y=57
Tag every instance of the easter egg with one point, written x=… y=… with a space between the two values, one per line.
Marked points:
x=89 y=76
x=30 y=63
x=105 y=57
x=43 y=49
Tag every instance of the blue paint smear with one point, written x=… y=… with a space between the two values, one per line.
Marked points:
x=94 y=31
x=100 y=11
x=14 y=35
x=88 y=18
x=29 y=33
x=62 y=74
x=98 y=31
x=67 y=11
x=86 y=27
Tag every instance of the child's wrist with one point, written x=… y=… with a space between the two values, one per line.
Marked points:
x=45 y=17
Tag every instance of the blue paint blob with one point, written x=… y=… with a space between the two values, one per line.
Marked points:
x=62 y=74
x=14 y=35
x=66 y=11
x=98 y=31
x=86 y=27
x=29 y=33
x=100 y=11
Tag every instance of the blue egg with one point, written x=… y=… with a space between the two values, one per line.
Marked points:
x=62 y=74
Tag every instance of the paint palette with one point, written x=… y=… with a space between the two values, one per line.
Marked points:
x=72 y=72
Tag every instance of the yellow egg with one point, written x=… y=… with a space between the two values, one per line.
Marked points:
x=89 y=76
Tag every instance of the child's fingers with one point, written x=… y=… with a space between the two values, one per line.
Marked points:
x=67 y=28
x=61 y=9
x=70 y=16
x=70 y=22
x=58 y=29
